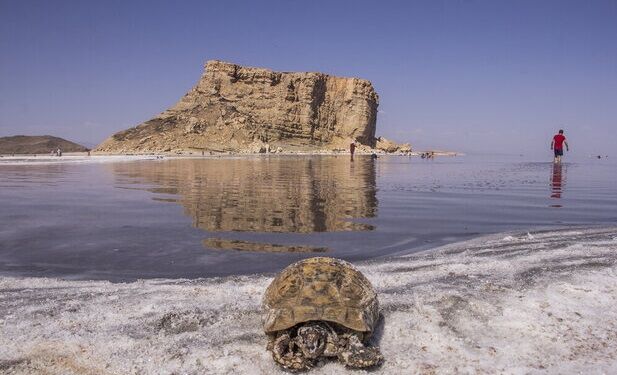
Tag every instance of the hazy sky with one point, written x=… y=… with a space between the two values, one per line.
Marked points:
x=464 y=75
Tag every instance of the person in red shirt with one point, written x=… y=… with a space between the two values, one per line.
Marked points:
x=557 y=145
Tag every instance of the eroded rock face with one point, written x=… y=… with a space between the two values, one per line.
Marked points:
x=232 y=107
x=389 y=146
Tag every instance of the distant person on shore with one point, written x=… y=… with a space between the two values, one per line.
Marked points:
x=559 y=140
x=352 y=149
x=428 y=155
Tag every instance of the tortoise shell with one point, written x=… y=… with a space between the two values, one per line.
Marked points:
x=320 y=289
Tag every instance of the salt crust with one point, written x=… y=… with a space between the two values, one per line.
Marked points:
x=510 y=303
x=70 y=159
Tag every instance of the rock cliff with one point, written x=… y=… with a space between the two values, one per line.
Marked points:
x=236 y=108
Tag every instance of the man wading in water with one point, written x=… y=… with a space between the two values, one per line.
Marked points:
x=557 y=145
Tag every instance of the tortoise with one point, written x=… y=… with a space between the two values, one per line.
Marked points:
x=321 y=307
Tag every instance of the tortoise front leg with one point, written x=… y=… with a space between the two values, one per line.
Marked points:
x=288 y=355
x=356 y=355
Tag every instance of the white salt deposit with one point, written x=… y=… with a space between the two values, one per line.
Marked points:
x=80 y=158
x=543 y=303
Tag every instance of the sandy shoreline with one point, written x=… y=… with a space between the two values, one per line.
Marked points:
x=540 y=302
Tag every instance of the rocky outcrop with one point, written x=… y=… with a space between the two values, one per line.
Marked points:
x=235 y=108
x=37 y=144
x=389 y=146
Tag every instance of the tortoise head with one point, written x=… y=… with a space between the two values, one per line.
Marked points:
x=312 y=338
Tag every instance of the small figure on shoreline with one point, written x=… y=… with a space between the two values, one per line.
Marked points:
x=557 y=145
x=352 y=149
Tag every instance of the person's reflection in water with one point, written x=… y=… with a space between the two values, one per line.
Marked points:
x=557 y=182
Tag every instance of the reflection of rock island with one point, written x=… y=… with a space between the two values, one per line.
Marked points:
x=222 y=244
x=265 y=195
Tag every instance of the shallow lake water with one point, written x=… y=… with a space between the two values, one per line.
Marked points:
x=189 y=218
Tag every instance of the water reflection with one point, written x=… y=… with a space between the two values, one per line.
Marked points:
x=19 y=177
x=557 y=182
x=283 y=194
x=223 y=244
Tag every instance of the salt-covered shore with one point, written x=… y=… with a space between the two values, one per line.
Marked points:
x=540 y=302
x=70 y=158
x=84 y=158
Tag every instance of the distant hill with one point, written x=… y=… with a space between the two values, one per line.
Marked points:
x=37 y=144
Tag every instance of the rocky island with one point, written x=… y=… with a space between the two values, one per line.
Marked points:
x=244 y=109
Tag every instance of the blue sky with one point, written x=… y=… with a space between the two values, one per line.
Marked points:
x=483 y=76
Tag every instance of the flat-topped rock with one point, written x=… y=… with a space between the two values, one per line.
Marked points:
x=234 y=107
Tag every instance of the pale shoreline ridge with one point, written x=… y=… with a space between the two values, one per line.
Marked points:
x=72 y=158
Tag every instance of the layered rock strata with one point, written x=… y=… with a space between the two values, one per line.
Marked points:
x=236 y=108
